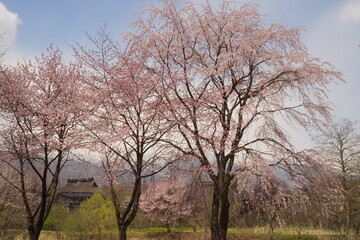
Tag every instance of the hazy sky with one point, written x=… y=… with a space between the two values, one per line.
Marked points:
x=332 y=31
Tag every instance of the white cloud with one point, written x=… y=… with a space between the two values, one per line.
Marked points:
x=8 y=25
x=350 y=11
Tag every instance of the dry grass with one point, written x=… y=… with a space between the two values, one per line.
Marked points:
x=234 y=234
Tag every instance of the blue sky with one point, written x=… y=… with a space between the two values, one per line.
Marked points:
x=332 y=31
x=66 y=21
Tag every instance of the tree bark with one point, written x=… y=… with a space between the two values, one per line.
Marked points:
x=34 y=234
x=220 y=211
x=348 y=215
x=124 y=218
x=168 y=228
x=122 y=232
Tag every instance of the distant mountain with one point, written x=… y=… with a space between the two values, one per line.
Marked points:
x=81 y=169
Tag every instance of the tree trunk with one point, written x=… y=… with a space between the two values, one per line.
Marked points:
x=220 y=212
x=34 y=234
x=122 y=232
x=168 y=228
x=348 y=215
x=124 y=219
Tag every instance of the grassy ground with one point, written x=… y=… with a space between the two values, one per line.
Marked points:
x=234 y=234
x=242 y=234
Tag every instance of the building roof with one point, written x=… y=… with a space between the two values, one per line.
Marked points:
x=82 y=185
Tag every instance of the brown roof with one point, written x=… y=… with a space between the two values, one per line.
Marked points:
x=79 y=186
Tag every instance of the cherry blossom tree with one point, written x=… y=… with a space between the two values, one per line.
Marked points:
x=125 y=126
x=231 y=84
x=40 y=113
x=278 y=197
x=197 y=190
x=166 y=200
x=265 y=196
x=320 y=200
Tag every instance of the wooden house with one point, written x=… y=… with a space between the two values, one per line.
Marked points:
x=76 y=191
